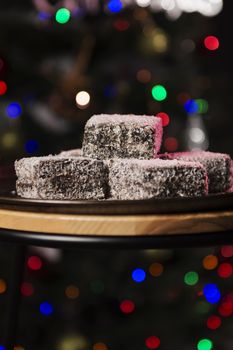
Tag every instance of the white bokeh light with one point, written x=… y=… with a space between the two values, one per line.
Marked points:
x=82 y=99
x=143 y=3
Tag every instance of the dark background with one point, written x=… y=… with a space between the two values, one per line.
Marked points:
x=45 y=64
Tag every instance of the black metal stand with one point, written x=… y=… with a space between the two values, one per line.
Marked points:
x=14 y=296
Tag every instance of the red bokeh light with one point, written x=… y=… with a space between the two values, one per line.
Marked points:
x=226 y=308
x=27 y=289
x=121 y=25
x=227 y=251
x=183 y=97
x=225 y=270
x=171 y=144
x=34 y=263
x=211 y=43
x=127 y=306
x=3 y=87
x=214 y=322
x=165 y=118
x=152 y=342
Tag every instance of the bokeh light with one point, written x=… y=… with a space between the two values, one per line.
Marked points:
x=211 y=293
x=210 y=262
x=3 y=87
x=83 y=99
x=27 y=289
x=203 y=105
x=9 y=139
x=211 y=43
x=3 y=286
x=115 y=6
x=62 y=15
x=110 y=91
x=214 y=322
x=121 y=25
x=156 y=269
x=152 y=342
x=227 y=251
x=2 y=347
x=127 y=306
x=226 y=307
x=191 y=278
x=225 y=270
x=14 y=110
x=34 y=263
x=31 y=146
x=143 y=3
x=97 y=287
x=171 y=144
x=159 y=92
x=191 y=106
x=100 y=346
x=143 y=76
x=165 y=118
x=46 y=308
x=138 y=275
x=204 y=344
x=72 y=292
x=183 y=97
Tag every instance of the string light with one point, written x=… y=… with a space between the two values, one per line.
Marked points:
x=191 y=278
x=156 y=269
x=211 y=43
x=46 y=308
x=214 y=322
x=165 y=118
x=62 y=15
x=82 y=99
x=210 y=262
x=159 y=92
x=152 y=342
x=171 y=144
x=138 y=275
x=127 y=306
x=211 y=293
x=3 y=286
x=204 y=344
x=31 y=146
x=225 y=270
x=14 y=110
x=115 y=6
x=34 y=263
x=3 y=87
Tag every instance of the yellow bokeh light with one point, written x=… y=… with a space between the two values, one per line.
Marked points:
x=156 y=269
x=210 y=262
x=3 y=286
x=18 y=348
x=100 y=346
x=9 y=140
x=160 y=42
x=72 y=292
x=83 y=99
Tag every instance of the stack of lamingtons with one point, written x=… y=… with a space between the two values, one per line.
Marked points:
x=120 y=159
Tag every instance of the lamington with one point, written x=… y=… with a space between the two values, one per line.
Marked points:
x=57 y=177
x=218 y=166
x=122 y=136
x=77 y=152
x=143 y=179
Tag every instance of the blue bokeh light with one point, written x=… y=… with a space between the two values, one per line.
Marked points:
x=44 y=16
x=191 y=106
x=2 y=347
x=138 y=275
x=31 y=146
x=110 y=91
x=212 y=293
x=115 y=6
x=46 y=308
x=14 y=110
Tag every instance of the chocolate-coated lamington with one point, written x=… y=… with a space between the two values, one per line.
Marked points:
x=77 y=152
x=218 y=166
x=57 y=177
x=143 y=179
x=122 y=136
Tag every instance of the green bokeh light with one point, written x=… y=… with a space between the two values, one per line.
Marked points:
x=204 y=344
x=159 y=92
x=191 y=278
x=203 y=105
x=62 y=15
x=97 y=287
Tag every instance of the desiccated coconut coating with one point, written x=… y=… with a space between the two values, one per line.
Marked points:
x=122 y=136
x=218 y=167
x=143 y=179
x=77 y=152
x=57 y=177
x=231 y=188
